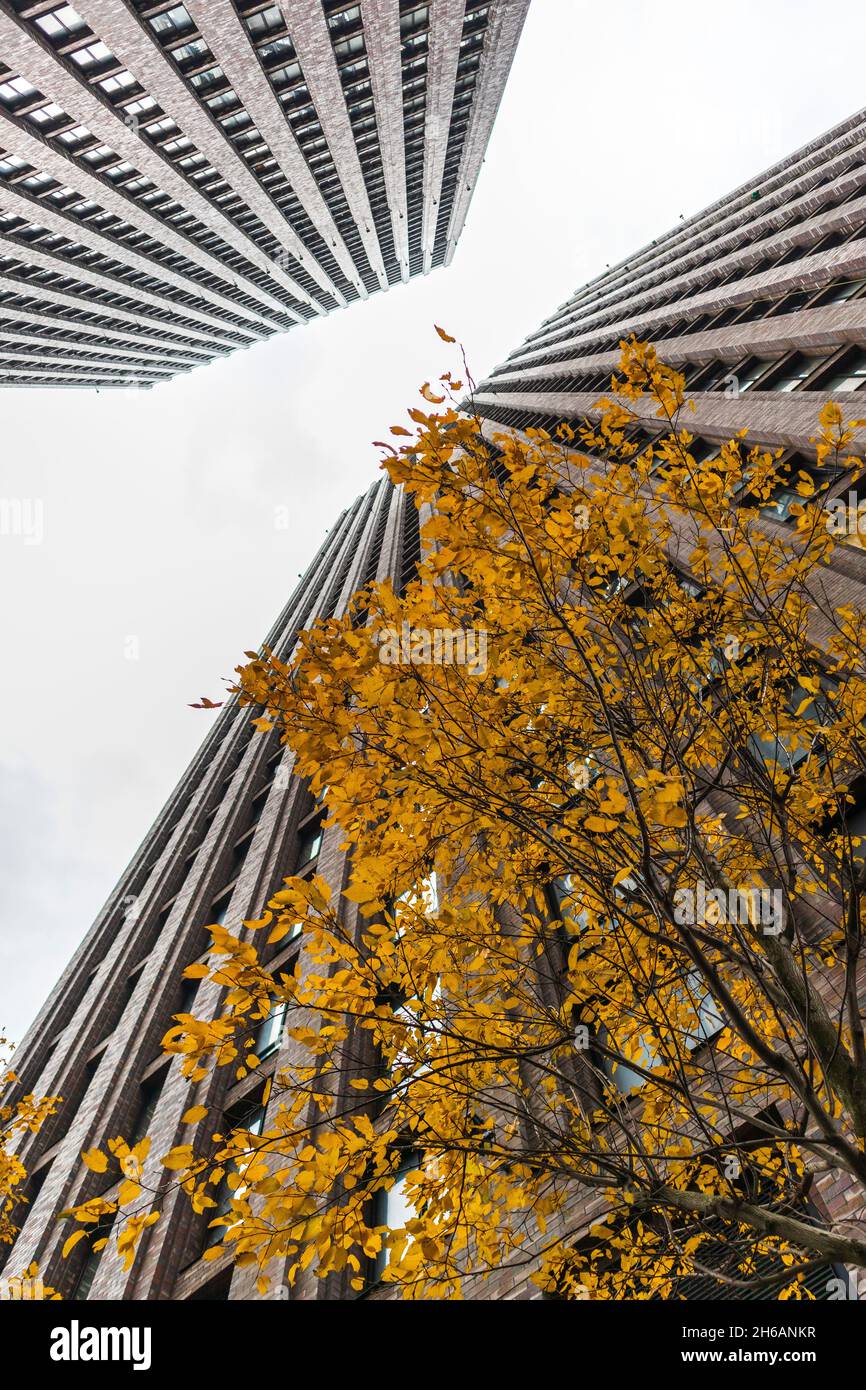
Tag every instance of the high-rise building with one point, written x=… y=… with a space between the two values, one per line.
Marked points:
x=181 y=180
x=236 y=825
x=762 y=299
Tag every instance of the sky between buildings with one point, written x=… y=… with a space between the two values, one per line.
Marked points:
x=161 y=562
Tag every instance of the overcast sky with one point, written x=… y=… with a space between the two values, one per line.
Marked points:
x=159 y=507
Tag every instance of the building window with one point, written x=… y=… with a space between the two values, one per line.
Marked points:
x=309 y=844
x=89 y=1269
x=177 y=20
x=847 y=374
x=791 y=373
x=219 y=910
x=270 y=1031
x=251 y=1120
x=149 y=1098
x=624 y=1077
x=393 y=1209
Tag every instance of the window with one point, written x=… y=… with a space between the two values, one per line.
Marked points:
x=309 y=843
x=847 y=374
x=562 y=895
x=624 y=1077
x=786 y=751
x=176 y=19
x=16 y=87
x=251 y=1119
x=790 y=304
x=240 y=850
x=219 y=910
x=795 y=470
x=850 y=823
x=46 y=113
x=393 y=1208
x=150 y=1093
x=708 y=1020
x=753 y=369
x=791 y=373
x=215 y=1290
x=118 y=83
x=264 y=21
x=88 y=1271
x=186 y=998
x=269 y=1034
x=838 y=293
x=62 y=22
x=344 y=17
x=94 y=54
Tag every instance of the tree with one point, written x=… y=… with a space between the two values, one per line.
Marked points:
x=591 y=1000
x=26 y=1116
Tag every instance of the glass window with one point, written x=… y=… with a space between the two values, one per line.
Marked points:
x=787 y=751
x=93 y=54
x=150 y=1093
x=793 y=373
x=263 y=21
x=708 y=1019
x=46 y=113
x=309 y=843
x=176 y=19
x=393 y=1208
x=848 y=374
x=253 y=1122
x=562 y=892
x=16 y=87
x=270 y=1032
x=425 y=894
x=754 y=368
x=117 y=83
x=838 y=293
x=219 y=910
x=624 y=1077
x=88 y=1270
x=336 y=21
x=60 y=22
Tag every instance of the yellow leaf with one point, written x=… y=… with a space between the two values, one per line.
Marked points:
x=72 y=1242
x=95 y=1160
x=360 y=893
x=179 y=1157
x=446 y=337
x=194 y=1114
x=283 y=927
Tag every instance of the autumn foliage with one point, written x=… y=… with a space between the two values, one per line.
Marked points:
x=24 y=1116
x=592 y=995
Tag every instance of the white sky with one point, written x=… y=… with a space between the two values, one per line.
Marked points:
x=159 y=507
